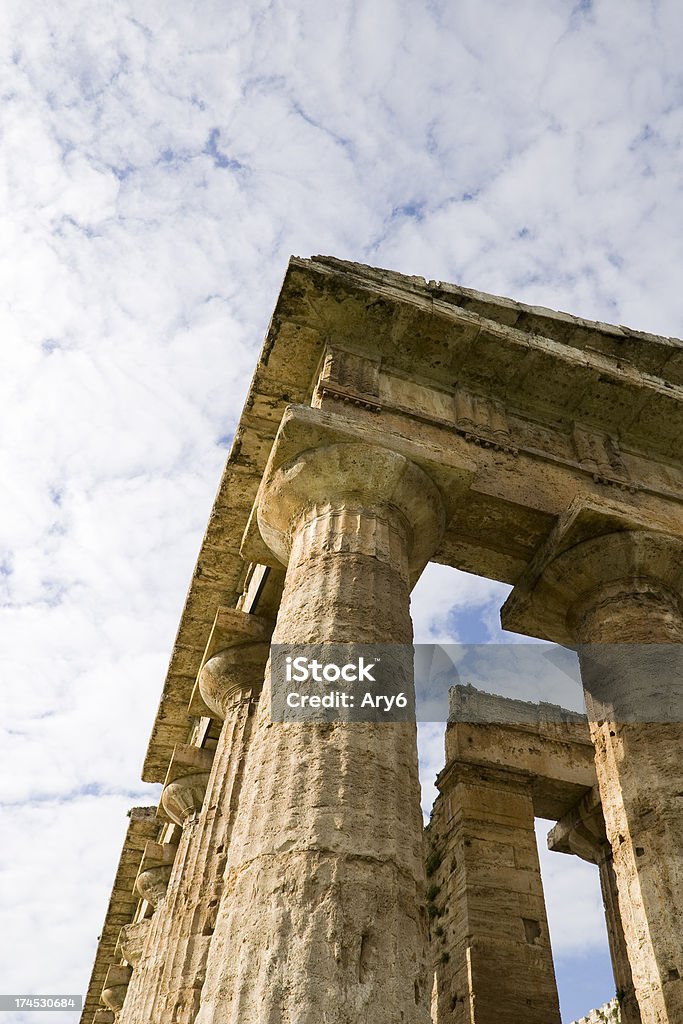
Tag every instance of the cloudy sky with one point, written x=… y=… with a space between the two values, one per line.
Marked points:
x=160 y=162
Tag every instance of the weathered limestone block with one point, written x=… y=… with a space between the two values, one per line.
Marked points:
x=142 y=826
x=582 y=832
x=507 y=761
x=602 y=591
x=551 y=748
x=547 y=743
x=223 y=686
x=491 y=948
x=104 y=1017
x=323 y=914
x=173 y=971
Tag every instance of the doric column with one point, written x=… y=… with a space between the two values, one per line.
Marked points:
x=490 y=943
x=115 y=987
x=582 y=832
x=144 y=940
x=323 y=915
x=615 y=595
x=200 y=794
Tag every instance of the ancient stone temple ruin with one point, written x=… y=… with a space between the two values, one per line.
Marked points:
x=285 y=877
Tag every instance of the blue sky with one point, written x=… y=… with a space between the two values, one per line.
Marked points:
x=159 y=164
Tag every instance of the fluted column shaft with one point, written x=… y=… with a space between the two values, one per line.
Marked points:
x=323 y=917
x=618 y=597
x=201 y=886
x=640 y=778
x=152 y=884
x=623 y=976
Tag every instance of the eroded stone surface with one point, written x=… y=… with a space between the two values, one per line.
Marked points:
x=506 y=760
x=542 y=403
x=513 y=415
x=322 y=917
x=619 y=594
x=491 y=944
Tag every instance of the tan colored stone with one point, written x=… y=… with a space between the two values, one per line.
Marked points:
x=545 y=743
x=582 y=832
x=142 y=826
x=605 y=588
x=490 y=940
x=323 y=911
x=171 y=971
x=132 y=940
x=185 y=783
x=506 y=761
x=515 y=414
x=155 y=871
x=116 y=986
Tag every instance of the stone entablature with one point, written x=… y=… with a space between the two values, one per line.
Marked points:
x=393 y=421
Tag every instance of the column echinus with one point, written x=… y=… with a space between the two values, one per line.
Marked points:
x=614 y=589
x=323 y=916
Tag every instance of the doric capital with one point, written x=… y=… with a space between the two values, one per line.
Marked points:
x=582 y=830
x=115 y=986
x=131 y=939
x=601 y=579
x=233 y=665
x=186 y=782
x=354 y=480
x=155 y=871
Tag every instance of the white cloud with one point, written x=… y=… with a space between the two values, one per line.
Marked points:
x=442 y=592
